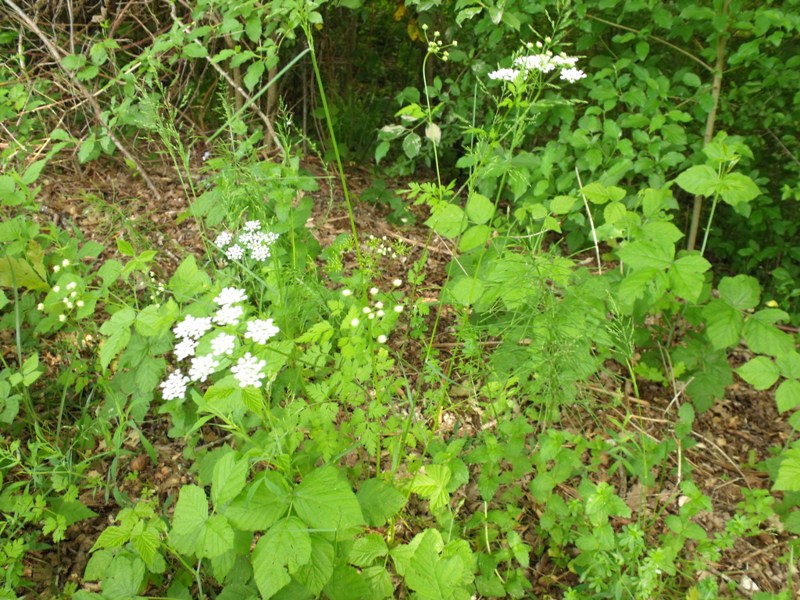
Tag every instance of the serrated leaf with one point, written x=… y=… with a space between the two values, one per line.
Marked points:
x=189 y=519
x=787 y=396
x=788 y=478
x=318 y=570
x=195 y=50
x=147 y=543
x=466 y=291
x=253 y=75
x=475 y=237
x=325 y=500
x=229 y=478
x=261 y=504
x=282 y=550
x=741 y=292
x=735 y=188
x=644 y=254
x=217 y=537
x=561 y=205
x=789 y=364
x=368 y=548
x=111 y=537
x=686 y=276
x=723 y=324
x=448 y=220
x=188 y=281
x=699 y=180
x=763 y=337
x=379 y=501
x=431 y=483
x=760 y=372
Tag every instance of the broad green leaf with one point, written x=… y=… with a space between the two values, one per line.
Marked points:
x=735 y=188
x=188 y=282
x=347 y=584
x=230 y=476
x=124 y=578
x=155 y=320
x=411 y=145
x=112 y=537
x=432 y=576
x=741 y=292
x=448 y=220
x=479 y=208
x=613 y=212
x=189 y=519
x=379 y=501
x=466 y=291
x=282 y=550
x=253 y=27
x=760 y=372
x=147 y=542
x=431 y=483
x=319 y=569
x=253 y=74
x=597 y=193
x=261 y=504
x=723 y=324
x=643 y=254
x=603 y=502
x=475 y=237
x=195 y=50
x=789 y=364
x=787 y=396
x=686 y=276
x=788 y=478
x=641 y=283
x=217 y=537
x=561 y=205
x=699 y=180
x=368 y=548
x=763 y=337
x=325 y=500
x=21 y=273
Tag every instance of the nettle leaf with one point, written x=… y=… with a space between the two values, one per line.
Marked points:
x=475 y=237
x=217 y=537
x=787 y=396
x=763 y=337
x=686 y=276
x=700 y=180
x=603 y=502
x=789 y=364
x=741 y=292
x=735 y=188
x=561 y=205
x=318 y=570
x=448 y=220
x=466 y=291
x=644 y=254
x=367 y=549
x=379 y=501
x=597 y=193
x=188 y=281
x=644 y=282
x=614 y=211
x=789 y=472
x=431 y=574
x=723 y=324
x=760 y=372
x=261 y=504
x=281 y=551
x=189 y=519
x=230 y=476
x=325 y=500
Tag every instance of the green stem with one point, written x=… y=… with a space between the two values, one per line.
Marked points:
x=708 y=226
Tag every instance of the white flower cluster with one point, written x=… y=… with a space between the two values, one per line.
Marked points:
x=375 y=312
x=545 y=62
x=246 y=371
x=251 y=241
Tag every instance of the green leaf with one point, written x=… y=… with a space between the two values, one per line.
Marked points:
x=788 y=478
x=147 y=543
x=124 y=578
x=787 y=396
x=431 y=483
x=366 y=549
x=479 y=208
x=686 y=276
x=282 y=550
x=261 y=504
x=253 y=74
x=379 y=501
x=325 y=500
x=741 y=292
x=381 y=150
x=433 y=576
x=217 y=537
x=735 y=188
x=723 y=324
x=597 y=193
x=411 y=145
x=789 y=364
x=475 y=237
x=195 y=50
x=125 y=248
x=318 y=570
x=561 y=205
x=448 y=220
x=156 y=320
x=253 y=27
x=603 y=502
x=699 y=180
x=188 y=282
x=643 y=254
x=112 y=537
x=613 y=212
x=230 y=476
x=760 y=372
x=466 y=291
x=189 y=519
x=763 y=337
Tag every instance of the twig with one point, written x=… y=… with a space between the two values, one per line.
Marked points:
x=56 y=54
x=591 y=222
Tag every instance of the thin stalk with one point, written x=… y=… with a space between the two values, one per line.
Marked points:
x=708 y=226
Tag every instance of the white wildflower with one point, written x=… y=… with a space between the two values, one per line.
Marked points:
x=79 y=304
x=62 y=317
x=260 y=330
x=174 y=386
x=397 y=282
x=192 y=327
x=562 y=60
x=354 y=322
x=247 y=370
x=65 y=262
x=185 y=348
x=398 y=308
x=380 y=314
x=572 y=75
x=379 y=304
x=252 y=225
x=228 y=315
x=56 y=268
x=40 y=306
x=202 y=367
x=373 y=291
x=235 y=252
x=504 y=74
x=230 y=295
x=366 y=310
x=72 y=285
x=223 y=239
x=381 y=339
x=347 y=292
x=224 y=343
x=536 y=62
x=56 y=288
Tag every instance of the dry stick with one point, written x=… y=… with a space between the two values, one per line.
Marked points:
x=716 y=89
x=591 y=222
x=55 y=53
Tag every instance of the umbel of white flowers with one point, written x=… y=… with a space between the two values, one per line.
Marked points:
x=545 y=62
